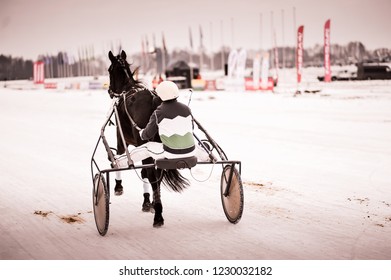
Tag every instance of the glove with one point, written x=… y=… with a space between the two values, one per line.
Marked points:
x=141 y=134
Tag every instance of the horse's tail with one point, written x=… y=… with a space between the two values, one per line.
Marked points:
x=174 y=180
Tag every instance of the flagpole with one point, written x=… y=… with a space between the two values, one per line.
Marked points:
x=51 y=66
x=271 y=27
x=147 y=53
x=143 y=55
x=222 y=47
x=274 y=45
x=211 y=47
x=260 y=31
x=164 y=54
x=294 y=25
x=201 y=50
x=294 y=35
x=155 y=53
x=232 y=33
x=191 y=56
x=283 y=39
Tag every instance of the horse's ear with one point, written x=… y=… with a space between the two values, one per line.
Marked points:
x=123 y=54
x=111 y=56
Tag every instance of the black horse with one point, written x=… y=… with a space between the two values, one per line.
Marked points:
x=136 y=105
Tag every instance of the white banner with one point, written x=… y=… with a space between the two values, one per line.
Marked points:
x=256 y=70
x=265 y=70
x=241 y=66
x=232 y=63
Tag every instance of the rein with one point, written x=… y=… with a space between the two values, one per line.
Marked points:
x=123 y=95
x=134 y=124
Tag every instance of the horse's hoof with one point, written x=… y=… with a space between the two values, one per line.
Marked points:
x=118 y=189
x=147 y=207
x=159 y=223
x=158 y=220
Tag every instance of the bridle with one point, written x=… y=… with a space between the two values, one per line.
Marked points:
x=122 y=64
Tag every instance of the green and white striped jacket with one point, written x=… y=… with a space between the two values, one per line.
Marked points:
x=174 y=123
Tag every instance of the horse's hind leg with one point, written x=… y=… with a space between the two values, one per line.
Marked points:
x=153 y=177
x=158 y=220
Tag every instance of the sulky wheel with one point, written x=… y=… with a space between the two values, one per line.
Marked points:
x=232 y=198
x=100 y=198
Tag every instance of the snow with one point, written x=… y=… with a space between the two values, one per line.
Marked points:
x=315 y=169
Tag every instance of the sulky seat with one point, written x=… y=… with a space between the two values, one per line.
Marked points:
x=176 y=163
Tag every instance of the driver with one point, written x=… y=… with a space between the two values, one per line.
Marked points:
x=173 y=121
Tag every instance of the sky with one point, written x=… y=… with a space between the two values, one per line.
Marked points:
x=30 y=28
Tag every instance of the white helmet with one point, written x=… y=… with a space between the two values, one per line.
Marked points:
x=167 y=90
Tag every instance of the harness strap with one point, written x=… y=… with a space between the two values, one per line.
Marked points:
x=124 y=94
x=129 y=116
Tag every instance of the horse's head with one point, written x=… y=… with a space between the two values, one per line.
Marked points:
x=121 y=77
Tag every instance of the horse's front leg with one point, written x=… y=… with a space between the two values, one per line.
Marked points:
x=118 y=189
x=146 y=206
x=153 y=176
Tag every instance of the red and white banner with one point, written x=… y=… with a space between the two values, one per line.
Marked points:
x=299 y=52
x=39 y=74
x=327 y=64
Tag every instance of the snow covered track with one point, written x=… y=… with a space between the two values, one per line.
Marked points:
x=315 y=174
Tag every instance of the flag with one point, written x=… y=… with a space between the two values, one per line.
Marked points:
x=79 y=54
x=86 y=54
x=190 y=38
x=65 y=58
x=46 y=59
x=71 y=59
x=147 y=43
x=154 y=42
x=276 y=66
x=327 y=63
x=60 y=58
x=164 y=43
x=201 y=50
x=201 y=38
x=142 y=46
x=92 y=51
x=164 y=53
x=299 y=52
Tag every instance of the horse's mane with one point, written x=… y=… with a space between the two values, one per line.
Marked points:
x=138 y=84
